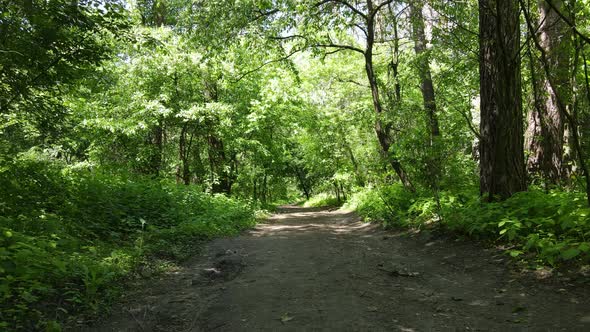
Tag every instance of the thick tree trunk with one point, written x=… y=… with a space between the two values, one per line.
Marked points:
x=502 y=167
x=545 y=132
x=423 y=64
x=571 y=118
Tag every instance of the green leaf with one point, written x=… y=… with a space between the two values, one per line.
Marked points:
x=570 y=253
x=584 y=247
x=515 y=253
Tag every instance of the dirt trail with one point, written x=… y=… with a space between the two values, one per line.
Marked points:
x=320 y=270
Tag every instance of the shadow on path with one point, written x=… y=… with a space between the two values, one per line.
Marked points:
x=321 y=270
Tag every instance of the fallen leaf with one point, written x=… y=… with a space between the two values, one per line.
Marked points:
x=285 y=318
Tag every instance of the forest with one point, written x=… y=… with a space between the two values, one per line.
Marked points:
x=133 y=132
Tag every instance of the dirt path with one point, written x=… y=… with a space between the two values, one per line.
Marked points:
x=316 y=270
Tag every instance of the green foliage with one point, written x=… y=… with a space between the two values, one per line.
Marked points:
x=389 y=205
x=322 y=200
x=553 y=225
x=69 y=234
x=264 y=101
x=550 y=227
x=46 y=47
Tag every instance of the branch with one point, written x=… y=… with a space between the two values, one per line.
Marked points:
x=345 y=3
x=457 y=24
x=264 y=14
x=9 y=51
x=340 y=80
x=469 y=123
x=266 y=64
x=399 y=14
x=362 y=29
x=286 y=37
x=378 y=8
x=568 y=22
x=345 y=47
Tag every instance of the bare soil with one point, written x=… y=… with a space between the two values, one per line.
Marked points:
x=322 y=270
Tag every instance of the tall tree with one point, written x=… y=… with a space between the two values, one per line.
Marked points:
x=502 y=167
x=364 y=17
x=545 y=132
x=423 y=64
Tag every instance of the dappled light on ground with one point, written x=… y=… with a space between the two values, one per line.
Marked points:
x=336 y=222
x=325 y=270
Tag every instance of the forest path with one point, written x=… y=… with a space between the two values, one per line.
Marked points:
x=321 y=270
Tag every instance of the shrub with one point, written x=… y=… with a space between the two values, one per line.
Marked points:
x=322 y=200
x=550 y=226
x=68 y=235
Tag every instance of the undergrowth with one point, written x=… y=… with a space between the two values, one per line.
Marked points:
x=546 y=227
x=322 y=200
x=69 y=236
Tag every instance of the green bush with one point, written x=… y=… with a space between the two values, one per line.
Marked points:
x=554 y=226
x=322 y=200
x=67 y=235
x=389 y=205
x=550 y=227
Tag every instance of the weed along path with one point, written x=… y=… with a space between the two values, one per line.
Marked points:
x=321 y=270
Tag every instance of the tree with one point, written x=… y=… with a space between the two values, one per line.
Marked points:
x=502 y=167
x=363 y=16
x=545 y=132
x=45 y=47
x=423 y=64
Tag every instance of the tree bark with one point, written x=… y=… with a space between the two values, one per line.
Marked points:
x=502 y=166
x=156 y=155
x=184 y=147
x=423 y=64
x=382 y=130
x=545 y=132
x=222 y=182
x=571 y=118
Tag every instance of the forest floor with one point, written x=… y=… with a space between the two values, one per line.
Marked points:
x=307 y=269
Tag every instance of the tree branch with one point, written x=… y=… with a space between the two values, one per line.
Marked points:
x=378 y=8
x=266 y=64
x=346 y=47
x=286 y=37
x=345 y=3
x=568 y=22
x=262 y=14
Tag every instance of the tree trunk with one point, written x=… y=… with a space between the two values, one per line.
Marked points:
x=382 y=130
x=157 y=141
x=302 y=183
x=502 y=167
x=183 y=172
x=545 y=132
x=218 y=163
x=423 y=64
x=571 y=118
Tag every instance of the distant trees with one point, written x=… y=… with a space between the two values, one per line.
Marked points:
x=219 y=96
